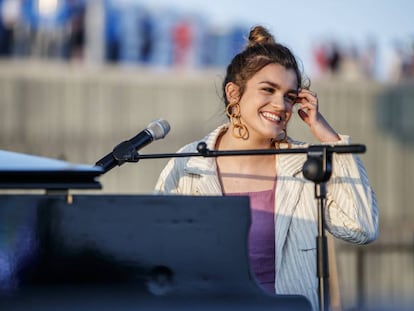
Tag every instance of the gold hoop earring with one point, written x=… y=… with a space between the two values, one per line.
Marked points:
x=230 y=110
x=239 y=129
x=283 y=140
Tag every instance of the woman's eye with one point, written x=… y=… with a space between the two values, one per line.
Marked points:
x=268 y=90
x=291 y=98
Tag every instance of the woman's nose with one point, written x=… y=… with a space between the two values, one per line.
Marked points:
x=279 y=102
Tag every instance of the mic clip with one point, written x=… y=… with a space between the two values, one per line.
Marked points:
x=125 y=152
x=318 y=166
x=203 y=150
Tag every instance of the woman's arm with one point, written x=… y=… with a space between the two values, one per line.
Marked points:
x=351 y=212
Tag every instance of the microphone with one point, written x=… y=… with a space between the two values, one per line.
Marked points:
x=127 y=150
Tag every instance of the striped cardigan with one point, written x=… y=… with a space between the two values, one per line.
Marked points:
x=351 y=209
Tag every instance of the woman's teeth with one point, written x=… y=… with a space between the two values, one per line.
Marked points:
x=272 y=117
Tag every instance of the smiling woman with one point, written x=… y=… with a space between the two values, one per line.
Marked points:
x=261 y=86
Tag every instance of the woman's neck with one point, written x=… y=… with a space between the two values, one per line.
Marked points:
x=245 y=173
x=228 y=142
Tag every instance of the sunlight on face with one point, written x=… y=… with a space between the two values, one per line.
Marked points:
x=267 y=103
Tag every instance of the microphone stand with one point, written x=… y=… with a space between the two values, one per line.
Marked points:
x=317 y=168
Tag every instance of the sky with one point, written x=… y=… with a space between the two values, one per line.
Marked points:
x=300 y=24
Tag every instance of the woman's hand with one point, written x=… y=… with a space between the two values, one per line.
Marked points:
x=309 y=113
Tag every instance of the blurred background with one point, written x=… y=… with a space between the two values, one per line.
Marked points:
x=77 y=77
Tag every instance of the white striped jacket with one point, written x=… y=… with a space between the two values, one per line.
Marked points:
x=351 y=209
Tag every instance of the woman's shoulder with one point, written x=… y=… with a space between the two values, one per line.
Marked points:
x=190 y=147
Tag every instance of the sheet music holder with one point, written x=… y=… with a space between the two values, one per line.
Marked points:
x=112 y=252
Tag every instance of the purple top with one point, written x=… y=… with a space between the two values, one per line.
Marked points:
x=262 y=237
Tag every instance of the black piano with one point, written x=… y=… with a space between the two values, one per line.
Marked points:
x=60 y=251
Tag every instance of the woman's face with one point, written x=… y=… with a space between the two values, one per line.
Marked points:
x=267 y=103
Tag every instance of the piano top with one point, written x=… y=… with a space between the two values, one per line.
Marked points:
x=24 y=171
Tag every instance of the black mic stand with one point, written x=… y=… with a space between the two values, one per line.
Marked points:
x=317 y=168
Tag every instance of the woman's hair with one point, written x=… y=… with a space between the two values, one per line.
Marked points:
x=261 y=50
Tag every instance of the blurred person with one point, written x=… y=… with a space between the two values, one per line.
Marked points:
x=76 y=25
x=182 y=35
x=320 y=56
x=145 y=32
x=135 y=41
x=9 y=19
x=46 y=27
x=408 y=62
x=334 y=58
x=261 y=87
x=162 y=48
x=112 y=31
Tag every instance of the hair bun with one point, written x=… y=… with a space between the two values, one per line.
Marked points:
x=260 y=35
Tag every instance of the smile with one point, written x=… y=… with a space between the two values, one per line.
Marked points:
x=272 y=117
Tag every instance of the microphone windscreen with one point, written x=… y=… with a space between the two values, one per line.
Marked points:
x=158 y=128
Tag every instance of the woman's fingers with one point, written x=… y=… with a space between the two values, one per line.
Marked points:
x=308 y=108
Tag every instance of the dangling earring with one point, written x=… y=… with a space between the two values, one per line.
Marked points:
x=239 y=129
x=283 y=140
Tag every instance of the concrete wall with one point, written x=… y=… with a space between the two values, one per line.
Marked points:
x=79 y=114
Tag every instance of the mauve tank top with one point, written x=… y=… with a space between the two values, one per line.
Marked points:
x=262 y=237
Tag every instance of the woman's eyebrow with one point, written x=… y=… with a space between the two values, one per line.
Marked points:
x=277 y=86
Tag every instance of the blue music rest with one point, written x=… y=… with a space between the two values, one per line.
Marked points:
x=23 y=171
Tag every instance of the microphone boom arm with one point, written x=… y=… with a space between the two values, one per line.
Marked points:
x=205 y=152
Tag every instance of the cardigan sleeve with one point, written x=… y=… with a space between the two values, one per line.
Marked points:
x=167 y=182
x=351 y=213
x=172 y=179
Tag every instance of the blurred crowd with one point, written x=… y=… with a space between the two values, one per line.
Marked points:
x=130 y=32
x=36 y=28
x=334 y=58
x=126 y=32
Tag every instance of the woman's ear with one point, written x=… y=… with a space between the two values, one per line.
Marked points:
x=232 y=92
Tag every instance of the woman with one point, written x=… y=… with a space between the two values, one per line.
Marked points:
x=261 y=86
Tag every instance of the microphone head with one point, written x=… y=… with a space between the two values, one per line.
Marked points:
x=158 y=128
